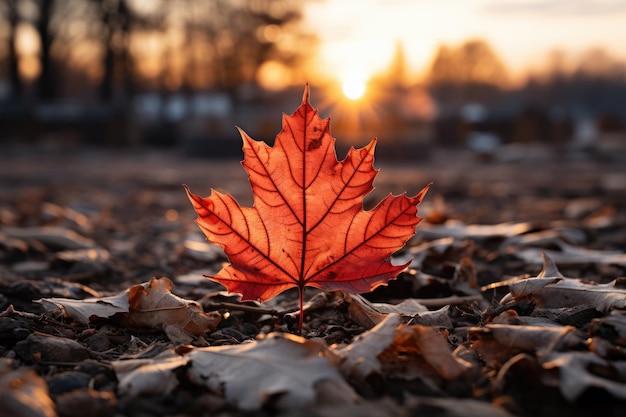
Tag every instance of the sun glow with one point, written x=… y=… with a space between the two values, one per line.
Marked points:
x=353 y=88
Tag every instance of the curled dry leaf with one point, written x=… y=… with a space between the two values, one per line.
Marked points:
x=307 y=226
x=368 y=314
x=149 y=305
x=398 y=350
x=154 y=306
x=551 y=290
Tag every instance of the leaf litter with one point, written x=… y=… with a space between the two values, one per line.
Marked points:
x=473 y=326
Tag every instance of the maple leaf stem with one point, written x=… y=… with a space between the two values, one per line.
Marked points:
x=301 y=316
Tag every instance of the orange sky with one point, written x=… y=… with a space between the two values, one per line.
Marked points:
x=358 y=36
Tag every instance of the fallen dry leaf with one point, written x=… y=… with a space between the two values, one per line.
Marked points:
x=23 y=393
x=580 y=371
x=307 y=226
x=497 y=343
x=612 y=327
x=282 y=366
x=149 y=305
x=459 y=230
x=154 y=306
x=397 y=350
x=534 y=247
x=360 y=358
x=369 y=314
x=550 y=289
x=149 y=376
x=82 y=311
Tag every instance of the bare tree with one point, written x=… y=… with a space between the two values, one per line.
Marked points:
x=471 y=71
x=244 y=35
x=9 y=13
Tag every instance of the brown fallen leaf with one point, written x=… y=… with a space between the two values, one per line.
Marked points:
x=288 y=370
x=611 y=327
x=149 y=305
x=23 y=393
x=566 y=254
x=282 y=366
x=152 y=376
x=580 y=371
x=54 y=237
x=497 y=343
x=416 y=349
x=154 y=306
x=83 y=311
x=368 y=314
x=397 y=350
x=460 y=231
x=550 y=289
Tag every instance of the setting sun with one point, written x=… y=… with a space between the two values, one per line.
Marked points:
x=353 y=88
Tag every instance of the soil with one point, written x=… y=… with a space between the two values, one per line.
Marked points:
x=121 y=218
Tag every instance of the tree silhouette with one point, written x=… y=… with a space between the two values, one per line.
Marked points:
x=8 y=9
x=469 y=72
x=242 y=36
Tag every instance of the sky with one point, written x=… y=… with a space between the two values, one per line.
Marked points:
x=358 y=37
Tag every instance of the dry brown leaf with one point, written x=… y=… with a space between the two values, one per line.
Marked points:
x=149 y=305
x=497 y=343
x=154 y=306
x=368 y=314
x=291 y=370
x=551 y=290
x=394 y=349
x=152 y=376
x=569 y=254
x=414 y=344
x=82 y=311
x=582 y=370
x=611 y=327
x=54 y=237
x=360 y=358
x=567 y=292
x=460 y=231
x=23 y=393
x=281 y=365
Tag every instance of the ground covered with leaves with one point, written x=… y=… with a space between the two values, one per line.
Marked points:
x=514 y=302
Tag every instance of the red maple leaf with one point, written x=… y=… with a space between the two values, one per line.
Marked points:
x=307 y=226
